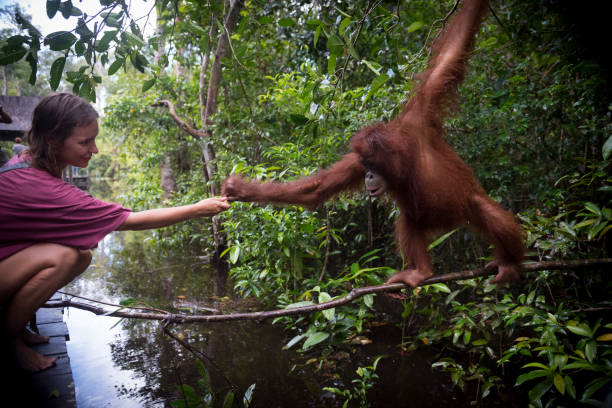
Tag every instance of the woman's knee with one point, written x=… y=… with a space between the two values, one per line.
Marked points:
x=76 y=261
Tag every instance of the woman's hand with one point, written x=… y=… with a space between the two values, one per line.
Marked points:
x=211 y=206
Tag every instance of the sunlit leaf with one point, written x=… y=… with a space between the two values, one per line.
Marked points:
x=234 y=254
x=580 y=330
x=559 y=384
x=606 y=150
x=343 y=25
x=417 y=25
x=605 y=337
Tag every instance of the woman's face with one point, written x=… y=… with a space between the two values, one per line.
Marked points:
x=79 y=146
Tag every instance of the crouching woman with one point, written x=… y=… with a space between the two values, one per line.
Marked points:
x=47 y=227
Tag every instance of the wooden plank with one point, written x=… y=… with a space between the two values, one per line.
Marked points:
x=54 y=387
x=56 y=391
x=54 y=330
x=55 y=346
x=48 y=315
x=62 y=366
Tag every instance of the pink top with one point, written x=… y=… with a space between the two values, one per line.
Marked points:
x=37 y=207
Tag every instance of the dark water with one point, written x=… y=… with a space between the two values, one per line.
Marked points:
x=131 y=363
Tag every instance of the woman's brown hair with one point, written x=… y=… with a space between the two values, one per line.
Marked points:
x=53 y=120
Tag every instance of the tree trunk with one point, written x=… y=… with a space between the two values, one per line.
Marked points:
x=168 y=183
x=208 y=153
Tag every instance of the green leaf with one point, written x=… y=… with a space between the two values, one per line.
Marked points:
x=331 y=64
x=265 y=20
x=147 y=85
x=229 y=400
x=313 y=22
x=317 y=34
x=535 y=364
x=299 y=304
x=581 y=330
x=606 y=150
x=417 y=25
x=441 y=287
x=375 y=86
x=441 y=239
x=293 y=341
x=314 y=339
x=103 y=44
x=593 y=386
x=32 y=59
x=248 y=395
x=368 y=300
x=605 y=337
x=590 y=350
x=374 y=66
x=335 y=45
x=286 y=22
x=60 y=40
x=559 y=384
x=11 y=55
x=540 y=389
x=79 y=48
x=328 y=313
x=134 y=39
x=57 y=68
x=115 y=66
x=52 y=7
x=343 y=25
x=234 y=254
x=530 y=376
x=594 y=208
x=298 y=119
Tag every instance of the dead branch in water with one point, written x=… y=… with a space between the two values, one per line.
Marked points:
x=352 y=295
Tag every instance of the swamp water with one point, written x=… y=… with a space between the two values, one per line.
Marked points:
x=132 y=363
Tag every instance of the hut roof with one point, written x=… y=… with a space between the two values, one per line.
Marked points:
x=20 y=109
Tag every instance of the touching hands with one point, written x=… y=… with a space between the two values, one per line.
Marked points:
x=211 y=206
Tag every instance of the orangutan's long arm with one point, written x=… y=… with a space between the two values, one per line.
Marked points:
x=447 y=66
x=309 y=191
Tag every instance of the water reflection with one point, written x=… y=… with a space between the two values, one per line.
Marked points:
x=132 y=363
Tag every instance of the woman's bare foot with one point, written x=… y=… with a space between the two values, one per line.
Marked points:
x=30 y=338
x=29 y=359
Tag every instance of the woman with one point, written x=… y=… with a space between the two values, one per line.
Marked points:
x=47 y=227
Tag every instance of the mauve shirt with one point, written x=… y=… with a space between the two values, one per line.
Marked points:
x=36 y=207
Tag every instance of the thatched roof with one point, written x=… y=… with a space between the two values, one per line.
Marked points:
x=20 y=109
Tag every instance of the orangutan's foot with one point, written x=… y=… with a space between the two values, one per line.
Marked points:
x=505 y=273
x=30 y=360
x=30 y=338
x=411 y=277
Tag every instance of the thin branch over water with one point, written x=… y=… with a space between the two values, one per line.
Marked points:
x=352 y=295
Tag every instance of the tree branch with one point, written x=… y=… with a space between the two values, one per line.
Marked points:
x=352 y=295
x=180 y=122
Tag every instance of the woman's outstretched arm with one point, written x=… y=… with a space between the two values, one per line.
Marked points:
x=162 y=217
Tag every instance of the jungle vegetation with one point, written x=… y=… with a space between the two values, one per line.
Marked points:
x=274 y=90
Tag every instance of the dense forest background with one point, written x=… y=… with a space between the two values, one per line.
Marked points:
x=274 y=91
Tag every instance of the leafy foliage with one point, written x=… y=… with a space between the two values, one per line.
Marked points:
x=534 y=124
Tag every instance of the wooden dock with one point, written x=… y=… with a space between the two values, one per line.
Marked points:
x=54 y=387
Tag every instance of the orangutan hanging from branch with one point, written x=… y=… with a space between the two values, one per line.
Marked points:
x=409 y=159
